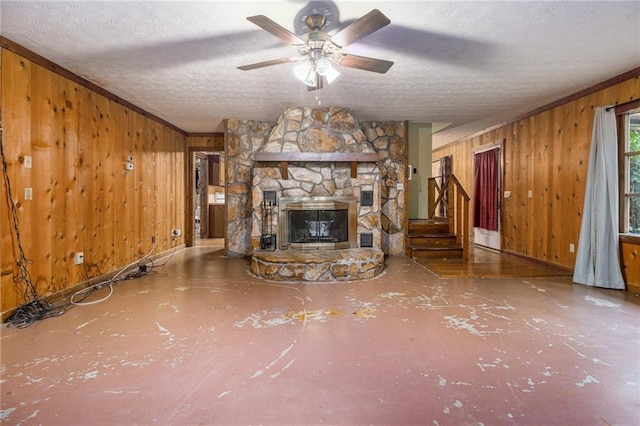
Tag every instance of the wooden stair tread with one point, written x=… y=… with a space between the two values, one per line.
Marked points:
x=434 y=248
x=432 y=235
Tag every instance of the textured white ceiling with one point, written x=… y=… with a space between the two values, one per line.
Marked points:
x=472 y=64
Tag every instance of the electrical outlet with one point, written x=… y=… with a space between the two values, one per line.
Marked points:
x=28 y=193
x=572 y=248
x=27 y=162
x=530 y=194
x=400 y=186
x=78 y=258
x=507 y=194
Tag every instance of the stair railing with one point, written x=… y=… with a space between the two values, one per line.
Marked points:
x=452 y=201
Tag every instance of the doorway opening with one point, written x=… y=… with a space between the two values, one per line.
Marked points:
x=487 y=187
x=208 y=195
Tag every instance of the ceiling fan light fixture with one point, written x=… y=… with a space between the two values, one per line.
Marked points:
x=309 y=70
x=325 y=69
x=331 y=74
x=323 y=66
x=301 y=70
x=311 y=79
x=306 y=73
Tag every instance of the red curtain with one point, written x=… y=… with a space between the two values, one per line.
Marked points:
x=485 y=191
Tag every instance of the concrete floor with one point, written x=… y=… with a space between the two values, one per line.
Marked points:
x=203 y=342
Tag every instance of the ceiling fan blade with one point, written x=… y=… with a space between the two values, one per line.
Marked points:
x=364 y=26
x=276 y=29
x=364 y=63
x=434 y=46
x=269 y=63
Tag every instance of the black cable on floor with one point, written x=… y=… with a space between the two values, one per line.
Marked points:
x=34 y=308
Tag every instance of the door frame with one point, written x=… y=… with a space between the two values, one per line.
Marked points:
x=190 y=192
x=491 y=239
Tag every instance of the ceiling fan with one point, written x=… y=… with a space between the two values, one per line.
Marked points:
x=319 y=51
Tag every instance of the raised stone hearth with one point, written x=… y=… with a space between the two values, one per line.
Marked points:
x=321 y=265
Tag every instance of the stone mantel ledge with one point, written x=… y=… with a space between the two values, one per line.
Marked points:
x=318 y=265
x=347 y=157
x=318 y=157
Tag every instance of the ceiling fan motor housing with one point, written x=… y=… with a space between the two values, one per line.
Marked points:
x=315 y=22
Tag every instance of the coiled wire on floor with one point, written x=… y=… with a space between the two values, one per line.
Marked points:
x=143 y=267
x=35 y=308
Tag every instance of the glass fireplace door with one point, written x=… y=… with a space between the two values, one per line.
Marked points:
x=318 y=226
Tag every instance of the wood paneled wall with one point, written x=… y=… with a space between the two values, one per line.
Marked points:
x=547 y=153
x=205 y=141
x=83 y=197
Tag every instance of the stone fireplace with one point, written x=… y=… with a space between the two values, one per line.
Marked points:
x=310 y=155
x=315 y=168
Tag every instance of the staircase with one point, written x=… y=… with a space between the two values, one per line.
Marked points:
x=430 y=238
x=445 y=234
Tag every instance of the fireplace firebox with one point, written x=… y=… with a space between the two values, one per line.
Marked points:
x=308 y=223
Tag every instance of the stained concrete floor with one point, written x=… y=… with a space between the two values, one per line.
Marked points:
x=203 y=342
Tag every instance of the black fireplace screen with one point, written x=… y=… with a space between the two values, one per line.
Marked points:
x=314 y=226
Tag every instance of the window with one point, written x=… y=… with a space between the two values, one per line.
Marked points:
x=629 y=136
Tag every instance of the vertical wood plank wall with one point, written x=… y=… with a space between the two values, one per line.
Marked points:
x=83 y=197
x=547 y=153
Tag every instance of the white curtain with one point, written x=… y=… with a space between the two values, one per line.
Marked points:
x=598 y=257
